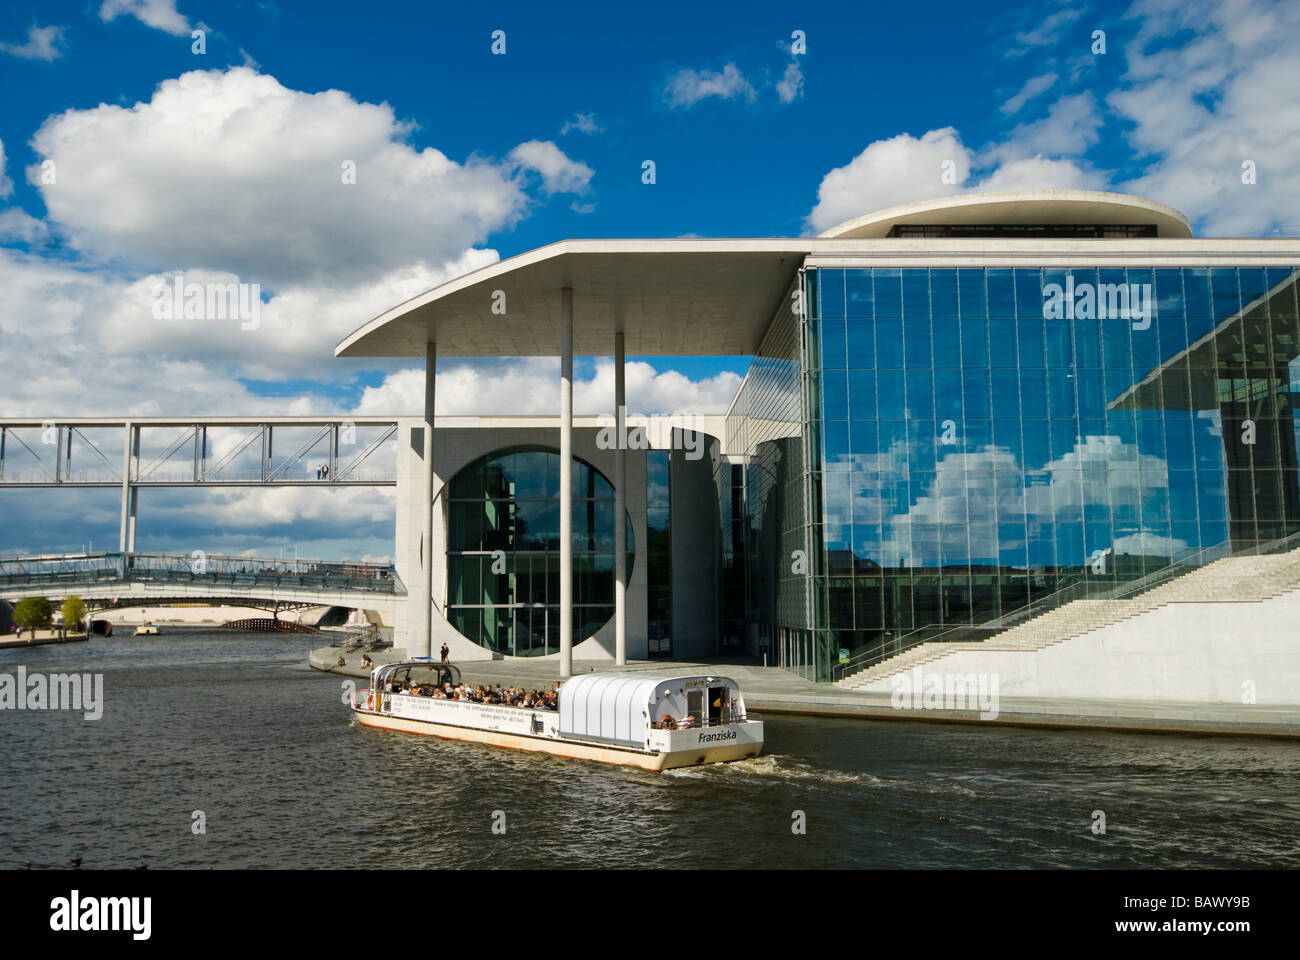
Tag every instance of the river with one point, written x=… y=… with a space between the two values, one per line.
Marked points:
x=238 y=727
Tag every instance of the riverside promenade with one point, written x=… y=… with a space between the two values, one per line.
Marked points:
x=772 y=690
x=43 y=637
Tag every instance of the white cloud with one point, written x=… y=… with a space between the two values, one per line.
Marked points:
x=1201 y=109
x=18 y=225
x=559 y=173
x=903 y=169
x=1042 y=173
x=1072 y=126
x=1042 y=32
x=531 y=386
x=43 y=43
x=890 y=172
x=688 y=87
x=297 y=330
x=6 y=185
x=231 y=171
x=1033 y=87
x=790 y=87
x=582 y=122
x=159 y=14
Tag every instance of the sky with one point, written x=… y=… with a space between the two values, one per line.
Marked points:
x=346 y=157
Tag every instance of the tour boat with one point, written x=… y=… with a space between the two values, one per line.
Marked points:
x=146 y=630
x=654 y=722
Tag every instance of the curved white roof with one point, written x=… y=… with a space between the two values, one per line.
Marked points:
x=697 y=297
x=614 y=706
x=1024 y=207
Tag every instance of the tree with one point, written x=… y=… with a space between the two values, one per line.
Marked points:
x=32 y=613
x=74 y=611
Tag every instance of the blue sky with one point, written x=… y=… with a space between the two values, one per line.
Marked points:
x=225 y=165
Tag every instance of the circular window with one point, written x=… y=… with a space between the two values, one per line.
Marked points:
x=503 y=550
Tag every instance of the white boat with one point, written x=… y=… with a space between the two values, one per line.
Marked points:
x=146 y=630
x=654 y=722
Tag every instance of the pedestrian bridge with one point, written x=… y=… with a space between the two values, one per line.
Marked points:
x=155 y=579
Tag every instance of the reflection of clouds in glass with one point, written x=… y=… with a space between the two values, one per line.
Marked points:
x=956 y=514
x=1215 y=428
x=1147 y=544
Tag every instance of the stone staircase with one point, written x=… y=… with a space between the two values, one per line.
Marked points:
x=1238 y=579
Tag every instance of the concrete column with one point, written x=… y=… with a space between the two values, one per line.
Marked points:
x=126 y=485
x=134 y=498
x=566 y=482
x=620 y=505
x=422 y=633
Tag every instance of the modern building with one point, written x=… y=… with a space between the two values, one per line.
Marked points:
x=955 y=408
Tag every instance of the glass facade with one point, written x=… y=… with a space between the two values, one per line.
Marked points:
x=659 y=554
x=987 y=436
x=950 y=444
x=769 y=425
x=503 y=550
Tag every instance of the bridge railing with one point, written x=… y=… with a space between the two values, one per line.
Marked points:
x=185 y=477
x=200 y=569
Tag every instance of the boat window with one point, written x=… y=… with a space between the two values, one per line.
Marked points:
x=719 y=705
x=695 y=704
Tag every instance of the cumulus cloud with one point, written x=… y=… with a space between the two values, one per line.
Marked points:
x=43 y=43
x=890 y=172
x=232 y=171
x=688 y=87
x=297 y=326
x=559 y=173
x=1047 y=153
x=530 y=386
x=159 y=14
x=1042 y=173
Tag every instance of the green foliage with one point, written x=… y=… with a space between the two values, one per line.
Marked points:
x=33 y=612
x=74 y=611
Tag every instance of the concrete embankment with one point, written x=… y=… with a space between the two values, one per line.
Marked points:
x=771 y=690
x=43 y=638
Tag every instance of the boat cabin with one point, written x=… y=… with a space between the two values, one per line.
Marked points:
x=621 y=707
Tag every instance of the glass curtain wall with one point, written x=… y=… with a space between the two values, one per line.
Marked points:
x=985 y=437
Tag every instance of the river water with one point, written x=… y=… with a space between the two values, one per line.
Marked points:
x=238 y=727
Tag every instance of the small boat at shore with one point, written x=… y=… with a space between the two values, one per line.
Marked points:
x=146 y=630
x=633 y=719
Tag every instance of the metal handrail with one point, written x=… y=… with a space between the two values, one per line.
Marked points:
x=1079 y=590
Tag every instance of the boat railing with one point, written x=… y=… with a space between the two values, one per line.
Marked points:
x=718 y=722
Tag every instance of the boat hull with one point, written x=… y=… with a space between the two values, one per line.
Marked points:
x=682 y=754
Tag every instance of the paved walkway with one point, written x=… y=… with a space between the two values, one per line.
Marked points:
x=774 y=690
x=43 y=637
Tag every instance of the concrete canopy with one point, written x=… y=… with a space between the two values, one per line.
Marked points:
x=668 y=297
